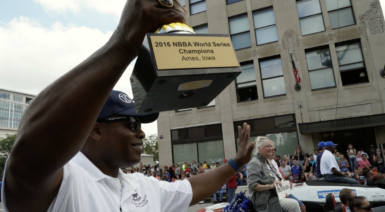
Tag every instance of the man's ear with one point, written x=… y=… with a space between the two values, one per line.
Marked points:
x=96 y=131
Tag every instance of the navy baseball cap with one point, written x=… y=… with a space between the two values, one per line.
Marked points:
x=321 y=144
x=329 y=143
x=119 y=103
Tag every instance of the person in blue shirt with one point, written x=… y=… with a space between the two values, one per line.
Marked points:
x=321 y=148
x=296 y=169
x=312 y=160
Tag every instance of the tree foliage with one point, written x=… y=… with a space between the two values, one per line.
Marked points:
x=150 y=146
x=5 y=149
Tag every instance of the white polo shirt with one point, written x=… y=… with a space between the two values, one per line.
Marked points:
x=85 y=188
x=328 y=161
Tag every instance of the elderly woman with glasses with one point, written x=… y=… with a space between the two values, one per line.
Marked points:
x=261 y=180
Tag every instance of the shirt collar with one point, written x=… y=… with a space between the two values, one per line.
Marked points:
x=260 y=158
x=81 y=160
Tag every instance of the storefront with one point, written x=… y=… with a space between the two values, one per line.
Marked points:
x=280 y=129
x=363 y=138
x=364 y=132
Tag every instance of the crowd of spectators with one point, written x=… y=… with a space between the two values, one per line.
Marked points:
x=303 y=167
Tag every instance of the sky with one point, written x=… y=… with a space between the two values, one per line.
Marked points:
x=40 y=40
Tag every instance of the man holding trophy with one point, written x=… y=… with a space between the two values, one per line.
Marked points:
x=77 y=133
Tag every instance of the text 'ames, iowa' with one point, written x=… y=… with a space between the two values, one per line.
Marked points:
x=198 y=58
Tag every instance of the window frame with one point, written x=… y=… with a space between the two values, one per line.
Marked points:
x=313 y=15
x=280 y=76
x=354 y=17
x=308 y=70
x=264 y=27
x=204 y=138
x=336 y=45
x=239 y=33
x=236 y=83
x=199 y=1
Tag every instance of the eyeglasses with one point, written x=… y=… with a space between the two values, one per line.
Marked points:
x=135 y=124
x=367 y=208
x=274 y=150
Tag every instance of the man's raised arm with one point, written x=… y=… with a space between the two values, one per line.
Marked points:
x=204 y=185
x=58 y=121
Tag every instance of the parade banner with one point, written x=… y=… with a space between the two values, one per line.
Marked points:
x=282 y=191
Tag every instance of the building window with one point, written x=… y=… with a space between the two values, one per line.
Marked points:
x=340 y=13
x=351 y=62
x=5 y=113
x=272 y=77
x=28 y=100
x=197 y=6
x=182 y=2
x=211 y=151
x=203 y=143
x=17 y=98
x=265 y=28
x=233 y=1
x=310 y=16
x=280 y=129
x=17 y=114
x=246 y=84
x=203 y=29
x=240 y=32
x=10 y=114
x=4 y=96
x=184 y=152
x=320 y=68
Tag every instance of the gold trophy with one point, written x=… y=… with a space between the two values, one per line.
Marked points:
x=178 y=69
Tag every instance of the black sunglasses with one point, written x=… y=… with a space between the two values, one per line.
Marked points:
x=274 y=150
x=367 y=208
x=135 y=124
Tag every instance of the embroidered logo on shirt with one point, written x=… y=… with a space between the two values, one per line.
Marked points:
x=139 y=201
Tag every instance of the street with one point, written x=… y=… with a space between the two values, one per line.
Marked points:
x=196 y=207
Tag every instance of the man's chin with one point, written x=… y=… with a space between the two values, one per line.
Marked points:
x=132 y=162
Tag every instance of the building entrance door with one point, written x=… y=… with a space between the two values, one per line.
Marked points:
x=363 y=138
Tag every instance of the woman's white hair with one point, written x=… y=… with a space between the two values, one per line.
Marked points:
x=262 y=141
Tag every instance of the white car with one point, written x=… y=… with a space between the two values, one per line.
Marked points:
x=313 y=194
